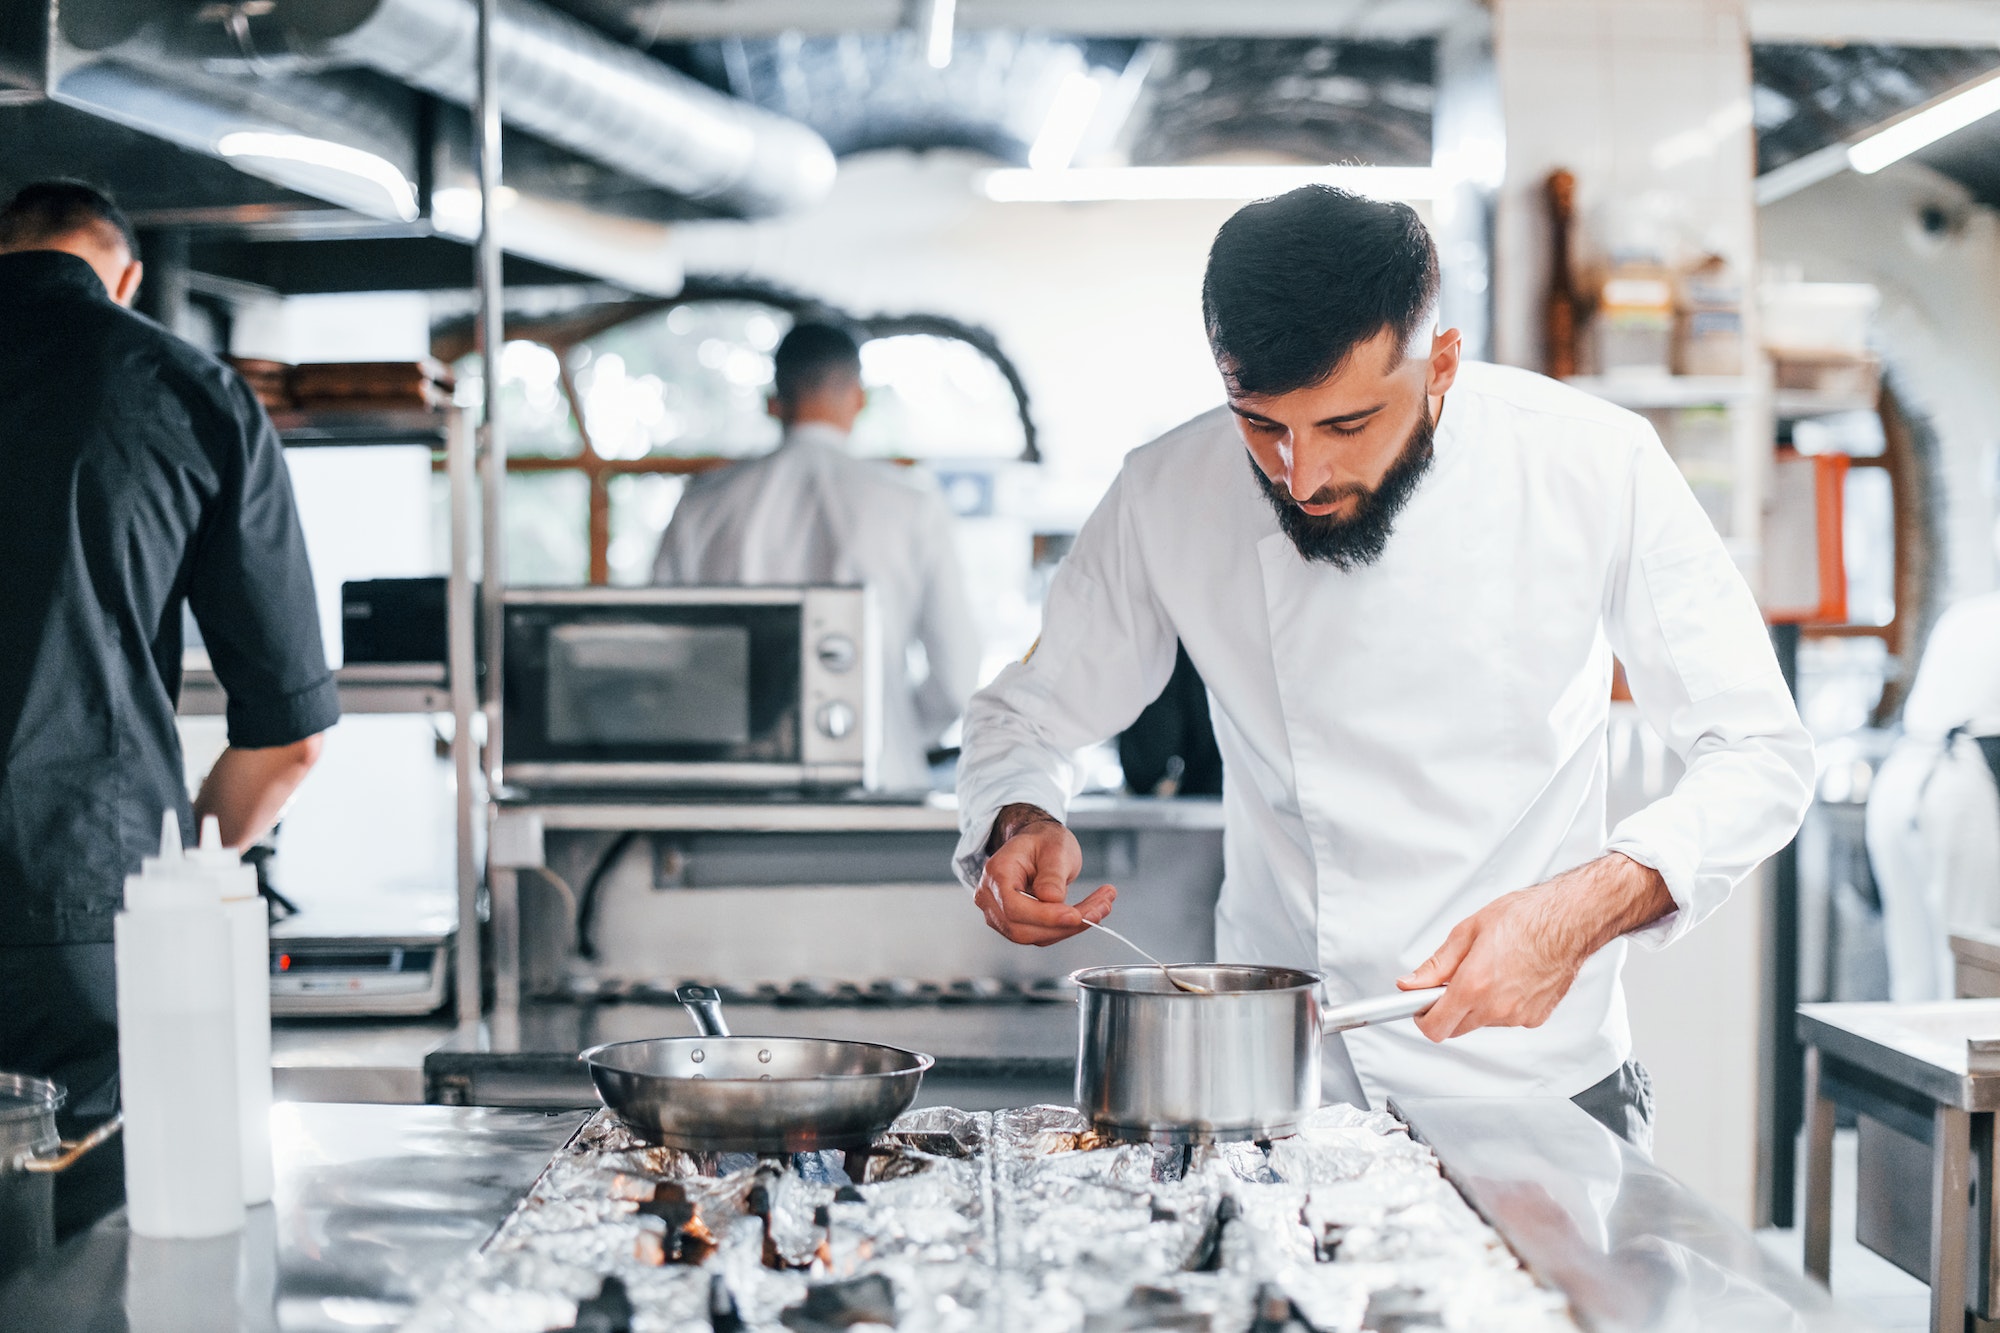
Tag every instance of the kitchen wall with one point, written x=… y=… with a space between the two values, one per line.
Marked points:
x=1648 y=102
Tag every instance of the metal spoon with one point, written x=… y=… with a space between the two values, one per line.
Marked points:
x=1165 y=971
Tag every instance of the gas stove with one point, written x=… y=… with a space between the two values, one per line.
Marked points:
x=1009 y=1220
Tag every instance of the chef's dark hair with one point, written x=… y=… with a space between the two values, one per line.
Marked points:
x=1296 y=283
x=48 y=209
x=815 y=357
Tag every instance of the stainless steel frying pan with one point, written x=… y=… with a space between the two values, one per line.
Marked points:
x=719 y=1093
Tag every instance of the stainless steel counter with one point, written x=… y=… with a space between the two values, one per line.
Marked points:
x=380 y=1207
x=353 y=1060
x=1631 y=1247
x=374 y=1204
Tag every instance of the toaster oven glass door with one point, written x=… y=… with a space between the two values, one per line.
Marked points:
x=666 y=684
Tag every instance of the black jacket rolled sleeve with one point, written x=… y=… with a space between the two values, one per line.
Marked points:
x=250 y=587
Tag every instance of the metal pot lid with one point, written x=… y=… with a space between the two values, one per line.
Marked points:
x=23 y=1097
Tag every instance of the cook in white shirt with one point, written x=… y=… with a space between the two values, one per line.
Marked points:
x=1404 y=579
x=1933 y=820
x=810 y=512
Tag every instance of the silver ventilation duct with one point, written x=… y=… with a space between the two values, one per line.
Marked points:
x=346 y=137
x=565 y=82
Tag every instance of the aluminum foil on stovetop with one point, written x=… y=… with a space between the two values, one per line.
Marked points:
x=1005 y=1221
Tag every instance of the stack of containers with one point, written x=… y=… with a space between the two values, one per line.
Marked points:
x=194 y=1039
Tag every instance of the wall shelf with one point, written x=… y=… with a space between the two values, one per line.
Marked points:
x=1796 y=404
x=373 y=687
x=1643 y=393
x=369 y=426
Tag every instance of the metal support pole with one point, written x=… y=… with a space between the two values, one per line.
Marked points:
x=1783 y=1078
x=1818 y=1220
x=1951 y=1185
x=492 y=338
x=492 y=450
x=464 y=703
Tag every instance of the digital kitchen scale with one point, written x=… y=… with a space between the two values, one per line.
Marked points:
x=377 y=962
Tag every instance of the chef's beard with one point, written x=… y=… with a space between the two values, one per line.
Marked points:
x=1357 y=539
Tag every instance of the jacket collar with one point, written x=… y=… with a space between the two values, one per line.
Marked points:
x=815 y=432
x=50 y=270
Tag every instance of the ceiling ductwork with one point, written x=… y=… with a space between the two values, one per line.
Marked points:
x=568 y=84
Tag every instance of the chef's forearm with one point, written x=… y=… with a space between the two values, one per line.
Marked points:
x=247 y=790
x=1012 y=819
x=1606 y=898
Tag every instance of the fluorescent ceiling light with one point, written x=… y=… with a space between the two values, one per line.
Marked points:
x=1926 y=127
x=1085 y=184
x=938 y=21
x=1068 y=121
x=309 y=157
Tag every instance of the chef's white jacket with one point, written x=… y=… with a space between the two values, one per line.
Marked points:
x=810 y=512
x=1405 y=742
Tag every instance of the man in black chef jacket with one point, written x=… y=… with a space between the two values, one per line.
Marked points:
x=140 y=473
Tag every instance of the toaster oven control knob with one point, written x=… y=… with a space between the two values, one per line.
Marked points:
x=836 y=653
x=836 y=720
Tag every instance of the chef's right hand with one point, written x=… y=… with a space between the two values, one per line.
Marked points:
x=1033 y=859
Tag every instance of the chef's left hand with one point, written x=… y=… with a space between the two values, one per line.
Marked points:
x=1510 y=963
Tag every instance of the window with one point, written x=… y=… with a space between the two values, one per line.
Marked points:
x=603 y=427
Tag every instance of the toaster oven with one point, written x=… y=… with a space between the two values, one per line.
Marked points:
x=693 y=687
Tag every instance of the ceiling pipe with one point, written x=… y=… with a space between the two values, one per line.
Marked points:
x=299 y=131
x=572 y=86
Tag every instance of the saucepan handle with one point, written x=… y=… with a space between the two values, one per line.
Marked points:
x=704 y=1005
x=1378 y=1009
x=73 y=1149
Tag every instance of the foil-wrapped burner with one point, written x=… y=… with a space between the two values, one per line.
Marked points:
x=941 y=1131
x=968 y=1222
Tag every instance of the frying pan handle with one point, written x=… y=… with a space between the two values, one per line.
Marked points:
x=704 y=1005
x=1378 y=1009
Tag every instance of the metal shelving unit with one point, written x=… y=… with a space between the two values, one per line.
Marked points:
x=411 y=688
x=387 y=687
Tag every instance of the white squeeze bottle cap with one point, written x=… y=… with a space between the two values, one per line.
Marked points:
x=232 y=878
x=163 y=883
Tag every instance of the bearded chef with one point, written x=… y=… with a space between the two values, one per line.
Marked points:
x=1404 y=577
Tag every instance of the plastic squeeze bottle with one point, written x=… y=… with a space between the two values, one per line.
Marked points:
x=177 y=1051
x=235 y=887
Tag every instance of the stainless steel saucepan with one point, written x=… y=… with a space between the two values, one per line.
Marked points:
x=1248 y=1060
x=719 y=1093
x=31 y=1155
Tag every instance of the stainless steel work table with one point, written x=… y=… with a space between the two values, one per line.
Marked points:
x=373 y=1204
x=1925 y=1078
x=1633 y=1249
